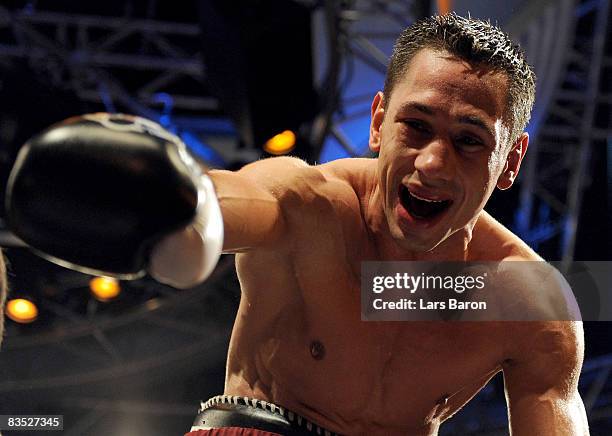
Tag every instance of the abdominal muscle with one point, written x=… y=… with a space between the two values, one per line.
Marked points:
x=298 y=341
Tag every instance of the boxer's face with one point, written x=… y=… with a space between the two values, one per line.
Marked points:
x=442 y=148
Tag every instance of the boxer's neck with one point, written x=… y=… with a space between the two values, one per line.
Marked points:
x=456 y=247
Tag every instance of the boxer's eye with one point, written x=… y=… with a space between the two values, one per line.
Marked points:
x=469 y=144
x=417 y=126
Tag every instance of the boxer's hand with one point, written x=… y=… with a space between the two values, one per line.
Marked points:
x=187 y=257
x=99 y=192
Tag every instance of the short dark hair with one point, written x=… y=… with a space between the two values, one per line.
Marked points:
x=474 y=41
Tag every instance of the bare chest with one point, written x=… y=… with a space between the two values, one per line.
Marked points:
x=316 y=356
x=365 y=370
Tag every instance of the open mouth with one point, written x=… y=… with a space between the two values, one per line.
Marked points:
x=422 y=208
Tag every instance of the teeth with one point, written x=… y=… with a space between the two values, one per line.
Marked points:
x=426 y=199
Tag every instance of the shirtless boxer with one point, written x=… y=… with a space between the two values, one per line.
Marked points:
x=448 y=129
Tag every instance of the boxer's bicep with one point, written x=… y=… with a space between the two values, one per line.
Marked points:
x=249 y=200
x=542 y=385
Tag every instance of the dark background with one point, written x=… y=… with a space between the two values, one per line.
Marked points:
x=140 y=364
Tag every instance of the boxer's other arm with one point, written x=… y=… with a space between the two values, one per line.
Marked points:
x=542 y=383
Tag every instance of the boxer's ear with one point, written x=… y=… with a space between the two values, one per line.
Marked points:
x=378 y=114
x=513 y=162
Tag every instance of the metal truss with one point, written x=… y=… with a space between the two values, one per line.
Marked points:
x=557 y=166
x=107 y=59
x=83 y=356
x=91 y=346
x=367 y=31
x=370 y=27
x=147 y=67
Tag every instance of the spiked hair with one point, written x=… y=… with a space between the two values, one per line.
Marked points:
x=477 y=42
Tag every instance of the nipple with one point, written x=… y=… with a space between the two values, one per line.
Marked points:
x=317 y=350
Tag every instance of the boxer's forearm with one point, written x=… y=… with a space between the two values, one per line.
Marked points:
x=251 y=214
x=255 y=201
x=251 y=218
x=547 y=415
x=541 y=380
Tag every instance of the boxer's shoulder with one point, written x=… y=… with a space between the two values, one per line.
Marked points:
x=524 y=282
x=353 y=170
x=272 y=174
x=317 y=189
x=355 y=177
x=492 y=241
x=291 y=179
x=358 y=173
x=528 y=282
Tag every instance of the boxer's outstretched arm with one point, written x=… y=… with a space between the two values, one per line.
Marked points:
x=118 y=195
x=249 y=200
x=542 y=382
x=252 y=218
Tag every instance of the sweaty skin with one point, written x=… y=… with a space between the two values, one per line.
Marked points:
x=301 y=232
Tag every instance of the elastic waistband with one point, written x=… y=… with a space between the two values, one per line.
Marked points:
x=235 y=411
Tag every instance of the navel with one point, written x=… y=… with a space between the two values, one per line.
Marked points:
x=317 y=350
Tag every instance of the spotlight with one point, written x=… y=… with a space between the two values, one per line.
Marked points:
x=282 y=143
x=21 y=310
x=104 y=289
x=258 y=57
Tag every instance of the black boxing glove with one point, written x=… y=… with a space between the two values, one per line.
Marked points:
x=100 y=192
